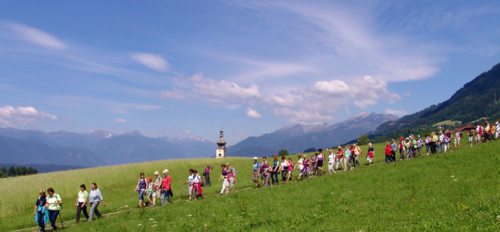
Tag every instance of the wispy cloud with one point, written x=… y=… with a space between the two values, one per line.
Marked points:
x=252 y=113
x=347 y=38
x=395 y=112
x=198 y=87
x=120 y=120
x=152 y=61
x=22 y=115
x=35 y=36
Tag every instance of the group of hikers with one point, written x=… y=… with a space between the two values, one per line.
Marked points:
x=265 y=173
x=150 y=190
x=48 y=206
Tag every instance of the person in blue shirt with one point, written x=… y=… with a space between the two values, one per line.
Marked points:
x=256 y=172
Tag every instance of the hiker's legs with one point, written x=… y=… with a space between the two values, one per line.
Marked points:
x=41 y=220
x=78 y=210
x=84 y=210
x=94 y=210
x=53 y=217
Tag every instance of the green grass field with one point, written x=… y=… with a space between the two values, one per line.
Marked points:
x=457 y=191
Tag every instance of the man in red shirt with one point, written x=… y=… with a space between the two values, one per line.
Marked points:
x=388 y=154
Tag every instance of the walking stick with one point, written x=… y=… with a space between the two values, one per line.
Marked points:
x=60 y=218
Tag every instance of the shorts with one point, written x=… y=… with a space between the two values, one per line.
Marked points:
x=320 y=163
x=157 y=193
x=231 y=181
x=141 y=194
x=255 y=176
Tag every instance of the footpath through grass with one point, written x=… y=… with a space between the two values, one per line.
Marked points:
x=457 y=191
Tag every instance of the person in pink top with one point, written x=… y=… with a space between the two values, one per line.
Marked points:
x=166 y=190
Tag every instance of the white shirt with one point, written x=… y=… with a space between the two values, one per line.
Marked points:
x=284 y=164
x=331 y=158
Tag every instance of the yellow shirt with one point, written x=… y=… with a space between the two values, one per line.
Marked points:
x=53 y=202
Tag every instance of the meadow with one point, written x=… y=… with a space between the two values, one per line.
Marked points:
x=456 y=191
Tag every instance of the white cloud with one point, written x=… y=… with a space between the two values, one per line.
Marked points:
x=216 y=91
x=22 y=115
x=152 y=61
x=317 y=104
x=252 y=113
x=395 y=112
x=332 y=87
x=120 y=120
x=36 y=36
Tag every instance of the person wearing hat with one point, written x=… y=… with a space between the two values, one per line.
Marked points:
x=256 y=172
x=156 y=187
x=41 y=212
x=166 y=190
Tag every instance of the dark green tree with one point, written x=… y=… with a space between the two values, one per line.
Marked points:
x=363 y=139
x=283 y=152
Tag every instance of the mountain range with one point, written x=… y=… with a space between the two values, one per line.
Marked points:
x=477 y=99
x=298 y=137
x=28 y=147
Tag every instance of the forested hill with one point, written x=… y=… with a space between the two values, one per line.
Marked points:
x=478 y=98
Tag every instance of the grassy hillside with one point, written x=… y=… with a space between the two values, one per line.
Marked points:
x=457 y=191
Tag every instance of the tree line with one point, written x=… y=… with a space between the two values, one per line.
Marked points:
x=16 y=171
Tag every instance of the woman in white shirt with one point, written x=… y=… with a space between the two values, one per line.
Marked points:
x=81 y=203
x=54 y=203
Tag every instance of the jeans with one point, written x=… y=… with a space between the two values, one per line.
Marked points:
x=41 y=221
x=81 y=208
x=165 y=195
x=274 y=177
x=207 y=179
x=53 y=217
x=388 y=158
x=284 y=174
x=93 y=209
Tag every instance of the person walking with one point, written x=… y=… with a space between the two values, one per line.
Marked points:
x=319 y=162
x=339 y=161
x=347 y=158
x=224 y=178
x=190 y=184
x=331 y=162
x=284 y=169
x=81 y=203
x=206 y=175
x=371 y=153
x=388 y=154
x=197 y=188
x=275 y=170
x=166 y=191
x=394 y=148
x=256 y=172
x=41 y=212
x=95 y=198
x=54 y=203
x=290 y=169
x=156 y=187
x=140 y=188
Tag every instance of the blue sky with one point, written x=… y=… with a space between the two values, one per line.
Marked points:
x=188 y=68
